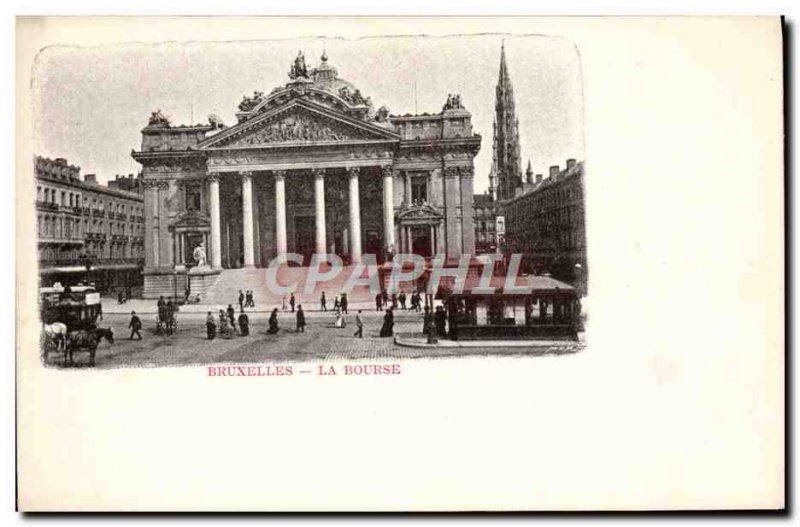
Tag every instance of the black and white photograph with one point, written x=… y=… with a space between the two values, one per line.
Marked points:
x=385 y=198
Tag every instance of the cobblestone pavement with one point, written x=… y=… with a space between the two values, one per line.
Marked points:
x=320 y=342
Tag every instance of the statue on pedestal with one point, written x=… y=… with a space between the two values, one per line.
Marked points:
x=299 y=69
x=199 y=255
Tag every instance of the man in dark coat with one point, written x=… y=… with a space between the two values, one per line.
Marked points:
x=402 y=299
x=241 y=300
x=344 y=303
x=440 y=319
x=135 y=325
x=169 y=312
x=359 y=326
x=161 y=309
x=378 y=302
x=323 y=302
x=292 y=301
x=231 y=313
x=301 y=319
x=244 y=324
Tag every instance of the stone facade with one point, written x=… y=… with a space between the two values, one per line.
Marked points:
x=80 y=221
x=546 y=223
x=310 y=168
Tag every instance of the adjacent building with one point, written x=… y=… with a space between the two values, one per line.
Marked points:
x=489 y=224
x=82 y=223
x=311 y=167
x=545 y=222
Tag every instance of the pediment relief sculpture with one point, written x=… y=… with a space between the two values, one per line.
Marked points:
x=296 y=128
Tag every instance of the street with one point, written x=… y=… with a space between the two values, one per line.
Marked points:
x=188 y=346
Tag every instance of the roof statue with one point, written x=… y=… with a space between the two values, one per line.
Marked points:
x=248 y=103
x=382 y=115
x=157 y=119
x=453 y=102
x=298 y=69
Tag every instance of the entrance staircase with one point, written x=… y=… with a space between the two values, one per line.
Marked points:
x=226 y=289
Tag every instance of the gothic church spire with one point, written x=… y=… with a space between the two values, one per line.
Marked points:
x=506 y=153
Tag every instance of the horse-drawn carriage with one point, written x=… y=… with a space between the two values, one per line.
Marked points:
x=69 y=316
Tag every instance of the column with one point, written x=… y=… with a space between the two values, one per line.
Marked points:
x=280 y=213
x=355 y=218
x=247 y=219
x=410 y=243
x=319 y=208
x=433 y=240
x=216 y=237
x=388 y=209
x=150 y=223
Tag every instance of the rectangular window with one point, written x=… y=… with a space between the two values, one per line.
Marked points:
x=419 y=189
x=193 y=198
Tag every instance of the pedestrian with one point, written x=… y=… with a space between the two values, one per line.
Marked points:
x=336 y=305
x=292 y=301
x=231 y=313
x=428 y=328
x=340 y=322
x=359 y=326
x=273 y=322
x=244 y=324
x=283 y=303
x=403 y=300
x=301 y=319
x=343 y=303
x=323 y=303
x=135 y=325
x=387 y=329
x=248 y=300
x=384 y=297
x=440 y=321
x=378 y=302
x=224 y=330
x=161 y=304
x=169 y=316
x=211 y=328
x=241 y=300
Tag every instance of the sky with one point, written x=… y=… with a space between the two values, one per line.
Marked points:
x=90 y=103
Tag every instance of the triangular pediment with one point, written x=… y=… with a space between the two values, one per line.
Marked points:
x=299 y=122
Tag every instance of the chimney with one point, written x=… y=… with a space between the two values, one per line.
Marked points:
x=570 y=163
x=553 y=171
x=90 y=178
x=538 y=178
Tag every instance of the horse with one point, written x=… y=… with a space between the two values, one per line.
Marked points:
x=55 y=334
x=86 y=338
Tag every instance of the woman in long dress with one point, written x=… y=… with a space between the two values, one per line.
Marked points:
x=340 y=322
x=387 y=330
x=273 y=322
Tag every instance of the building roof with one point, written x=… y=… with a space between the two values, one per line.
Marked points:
x=575 y=170
x=534 y=284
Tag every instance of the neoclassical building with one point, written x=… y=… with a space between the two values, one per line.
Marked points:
x=311 y=167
